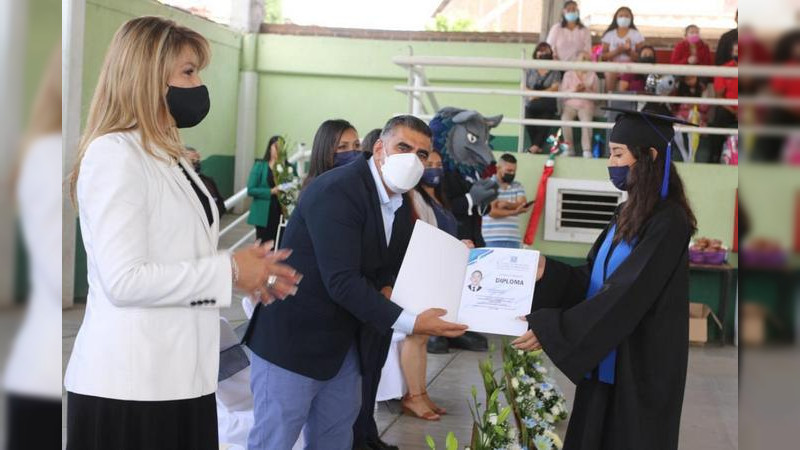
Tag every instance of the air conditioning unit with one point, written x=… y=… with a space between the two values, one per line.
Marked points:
x=578 y=210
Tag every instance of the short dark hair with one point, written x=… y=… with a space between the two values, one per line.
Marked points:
x=408 y=121
x=509 y=158
x=688 y=27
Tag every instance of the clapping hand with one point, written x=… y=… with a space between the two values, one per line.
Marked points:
x=263 y=275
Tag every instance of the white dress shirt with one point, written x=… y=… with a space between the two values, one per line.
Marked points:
x=390 y=203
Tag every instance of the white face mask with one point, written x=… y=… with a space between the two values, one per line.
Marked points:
x=623 y=21
x=401 y=172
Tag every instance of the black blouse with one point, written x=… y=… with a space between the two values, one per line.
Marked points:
x=201 y=196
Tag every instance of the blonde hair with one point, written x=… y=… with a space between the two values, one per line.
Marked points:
x=131 y=90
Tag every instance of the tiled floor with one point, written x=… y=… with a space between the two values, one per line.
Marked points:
x=710 y=411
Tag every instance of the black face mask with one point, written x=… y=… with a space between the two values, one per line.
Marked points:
x=188 y=106
x=648 y=59
x=508 y=178
x=545 y=56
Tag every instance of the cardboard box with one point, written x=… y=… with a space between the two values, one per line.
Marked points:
x=698 y=322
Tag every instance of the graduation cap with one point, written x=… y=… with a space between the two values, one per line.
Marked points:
x=652 y=126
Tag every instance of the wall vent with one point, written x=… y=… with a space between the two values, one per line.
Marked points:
x=578 y=210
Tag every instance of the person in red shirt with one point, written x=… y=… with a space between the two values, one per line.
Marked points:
x=692 y=49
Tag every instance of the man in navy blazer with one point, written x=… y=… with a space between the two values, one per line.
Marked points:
x=305 y=369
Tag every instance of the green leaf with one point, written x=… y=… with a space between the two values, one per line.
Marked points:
x=504 y=414
x=451 y=443
x=430 y=441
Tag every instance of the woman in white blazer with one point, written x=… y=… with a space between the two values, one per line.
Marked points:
x=144 y=367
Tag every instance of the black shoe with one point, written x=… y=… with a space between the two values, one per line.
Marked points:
x=471 y=341
x=438 y=345
x=380 y=445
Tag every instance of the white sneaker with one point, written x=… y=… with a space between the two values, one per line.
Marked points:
x=587 y=154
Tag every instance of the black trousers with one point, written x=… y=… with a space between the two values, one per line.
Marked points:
x=373 y=350
x=540 y=108
x=27 y=418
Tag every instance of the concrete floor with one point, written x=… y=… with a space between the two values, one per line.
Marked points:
x=710 y=411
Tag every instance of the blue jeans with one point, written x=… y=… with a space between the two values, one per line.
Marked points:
x=504 y=244
x=284 y=401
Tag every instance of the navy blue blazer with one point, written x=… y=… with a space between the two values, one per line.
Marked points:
x=338 y=241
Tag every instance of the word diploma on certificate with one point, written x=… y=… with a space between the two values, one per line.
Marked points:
x=487 y=289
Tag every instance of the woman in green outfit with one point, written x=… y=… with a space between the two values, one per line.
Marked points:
x=265 y=211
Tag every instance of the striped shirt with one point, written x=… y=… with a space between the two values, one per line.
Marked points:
x=504 y=228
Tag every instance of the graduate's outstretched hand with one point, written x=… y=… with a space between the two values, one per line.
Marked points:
x=429 y=322
x=527 y=342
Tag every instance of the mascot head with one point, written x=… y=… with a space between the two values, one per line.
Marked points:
x=462 y=138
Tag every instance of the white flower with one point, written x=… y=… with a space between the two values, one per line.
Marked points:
x=290 y=169
x=541 y=369
x=279 y=168
x=515 y=383
x=549 y=417
x=520 y=352
x=521 y=371
x=548 y=395
x=493 y=419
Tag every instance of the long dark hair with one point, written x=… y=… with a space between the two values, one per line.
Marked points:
x=614 y=25
x=268 y=152
x=644 y=193
x=564 y=19
x=324 y=147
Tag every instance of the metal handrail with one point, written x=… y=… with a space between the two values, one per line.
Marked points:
x=236 y=198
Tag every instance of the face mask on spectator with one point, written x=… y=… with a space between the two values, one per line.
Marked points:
x=508 y=178
x=342 y=158
x=571 y=16
x=623 y=22
x=545 y=55
x=432 y=176
x=648 y=59
x=693 y=38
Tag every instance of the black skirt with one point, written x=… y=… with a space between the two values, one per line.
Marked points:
x=26 y=418
x=95 y=423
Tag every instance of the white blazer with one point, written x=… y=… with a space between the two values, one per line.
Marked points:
x=156 y=280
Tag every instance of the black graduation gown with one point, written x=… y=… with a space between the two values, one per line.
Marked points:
x=642 y=310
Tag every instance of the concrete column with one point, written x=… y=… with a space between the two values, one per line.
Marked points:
x=73 y=16
x=13 y=22
x=247 y=16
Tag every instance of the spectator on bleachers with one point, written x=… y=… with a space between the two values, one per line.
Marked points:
x=692 y=86
x=724 y=116
x=569 y=37
x=692 y=49
x=635 y=82
x=540 y=107
x=621 y=43
x=583 y=109
x=725 y=43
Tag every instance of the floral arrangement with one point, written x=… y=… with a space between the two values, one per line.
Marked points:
x=286 y=178
x=535 y=402
x=491 y=429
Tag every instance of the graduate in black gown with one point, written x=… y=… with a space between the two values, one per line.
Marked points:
x=618 y=325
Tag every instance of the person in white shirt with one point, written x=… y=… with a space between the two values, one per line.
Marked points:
x=621 y=43
x=144 y=368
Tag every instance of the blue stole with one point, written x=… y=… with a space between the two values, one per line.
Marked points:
x=609 y=257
